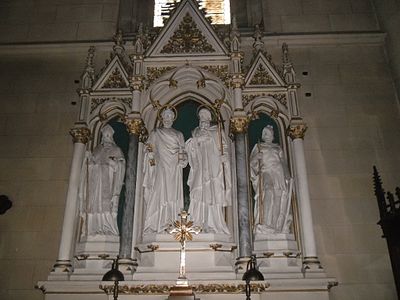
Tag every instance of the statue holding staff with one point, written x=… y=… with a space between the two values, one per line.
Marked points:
x=102 y=180
x=164 y=159
x=272 y=185
x=210 y=176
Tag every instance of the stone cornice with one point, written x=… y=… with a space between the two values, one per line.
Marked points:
x=303 y=39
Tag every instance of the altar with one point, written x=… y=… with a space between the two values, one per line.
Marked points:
x=171 y=122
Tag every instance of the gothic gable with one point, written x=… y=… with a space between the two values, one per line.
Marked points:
x=113 y=77
x=187 y=32
x=263 y=73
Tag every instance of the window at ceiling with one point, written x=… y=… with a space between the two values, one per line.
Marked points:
x=218 y=10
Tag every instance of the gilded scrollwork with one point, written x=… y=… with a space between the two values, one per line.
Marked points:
x=153 y=73
x=221 y=71
x=115 y=81
x=80 y=134
x=280 y=97
x=95 y=102
x=297 y=131
x=164 y=289
x=239 y=124
x=262 y=77
x=187 y=39
x=134 y=126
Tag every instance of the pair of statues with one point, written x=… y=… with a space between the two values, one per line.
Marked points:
x=209 y=178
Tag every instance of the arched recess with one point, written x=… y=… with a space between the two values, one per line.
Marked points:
x=112 y=113
x=102 y=115
x=277 y=114
x=195 y=85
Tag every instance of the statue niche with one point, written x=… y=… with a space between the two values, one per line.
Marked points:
x=193 y=175
x=102 y=180
x=272 y=186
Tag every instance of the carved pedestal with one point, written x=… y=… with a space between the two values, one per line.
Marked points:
x=209 y=256
x=278 y=255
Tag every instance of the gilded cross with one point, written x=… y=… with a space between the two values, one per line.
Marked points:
x=183 y=231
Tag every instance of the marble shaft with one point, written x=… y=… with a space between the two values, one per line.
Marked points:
x=125 y=250
x=242 y=196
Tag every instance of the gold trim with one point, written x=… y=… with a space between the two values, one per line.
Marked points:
x=151 y=247
x=95 y=102
x=218 y=248
x=154 y=73
x=239 y=124
x=164 y=289
x=297 y=131
x=221 y=71
x=280 y=97
x=80 y=134
x=187 y=39
x=262 y=77
x=134 y=126
x=115 y=81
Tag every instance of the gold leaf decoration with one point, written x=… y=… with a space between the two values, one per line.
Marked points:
x=187 y=39
x=153 y=73
x=115 y=81
x=280 y=97
x=163 y=289
x=95 y=102
x=262 y=77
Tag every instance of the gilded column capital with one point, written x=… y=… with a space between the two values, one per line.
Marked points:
x=136 y=126
x=239 y=124
x=80 y=134
x=136 y=83
x=237 y=81
x=297 y=131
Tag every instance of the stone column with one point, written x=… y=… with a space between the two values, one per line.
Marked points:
x=238 y=126
x=63 y=264
x=310 y=258
x=135 y=127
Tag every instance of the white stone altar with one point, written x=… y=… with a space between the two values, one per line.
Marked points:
x=133 y=86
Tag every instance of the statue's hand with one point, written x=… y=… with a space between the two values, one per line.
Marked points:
x=182 y=159
x=151 y=158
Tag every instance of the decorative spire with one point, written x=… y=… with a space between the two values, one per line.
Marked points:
x=285 y=54
x=234 y=28
x=258 y=34
x=235 y=36
x=139 y=49
x=87 y=77
x=119 y=42
x=288 y=71
x=89 y=60
x=379 y=193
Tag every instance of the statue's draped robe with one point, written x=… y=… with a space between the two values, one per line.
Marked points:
x=209 y=179
x=105 y=171
x=274 y=188
x=163 y=184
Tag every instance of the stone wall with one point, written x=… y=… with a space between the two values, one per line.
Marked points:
x=36 y=92
x=388 y=13
x=59 y=20
x=353 y=121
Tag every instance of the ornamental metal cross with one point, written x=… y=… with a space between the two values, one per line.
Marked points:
x=182 y=231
